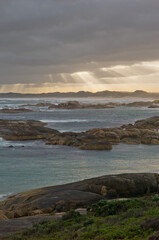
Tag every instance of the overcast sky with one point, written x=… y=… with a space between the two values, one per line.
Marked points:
x=71 y=45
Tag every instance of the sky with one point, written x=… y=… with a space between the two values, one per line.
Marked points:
x=74 y=45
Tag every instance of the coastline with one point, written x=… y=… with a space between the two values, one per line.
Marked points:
x=79 y=194
x=92 y=198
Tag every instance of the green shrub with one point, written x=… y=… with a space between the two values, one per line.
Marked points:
x=106 y=208
x=88 y=222
x=155 y=199
x=71 y=214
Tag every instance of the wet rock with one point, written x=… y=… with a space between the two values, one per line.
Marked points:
x=96 y=146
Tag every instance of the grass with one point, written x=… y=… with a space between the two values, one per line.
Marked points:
x=106 y=220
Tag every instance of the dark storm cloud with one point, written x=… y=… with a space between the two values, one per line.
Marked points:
x=55 y=36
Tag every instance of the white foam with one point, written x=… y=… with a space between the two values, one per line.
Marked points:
x=3 y=143
x=31 y=143
x=63 y=121
x=5 y=195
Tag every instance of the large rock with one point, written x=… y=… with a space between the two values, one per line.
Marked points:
x=149 y=123
x=24 y=130
x=15 y=110
x=104 y=134
x=80 y=194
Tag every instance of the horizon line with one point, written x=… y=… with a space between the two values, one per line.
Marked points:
x=136 y=91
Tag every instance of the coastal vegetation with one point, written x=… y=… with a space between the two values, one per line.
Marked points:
x=132 y=219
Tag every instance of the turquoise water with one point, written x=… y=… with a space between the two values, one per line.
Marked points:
x=33 y=164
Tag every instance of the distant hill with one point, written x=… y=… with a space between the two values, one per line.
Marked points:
x=83 y=94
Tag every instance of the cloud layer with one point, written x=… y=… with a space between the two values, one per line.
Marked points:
x=52 y=41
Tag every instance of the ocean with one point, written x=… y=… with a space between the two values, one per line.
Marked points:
x=32 y=164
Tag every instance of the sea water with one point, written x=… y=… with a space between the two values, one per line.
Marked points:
x=32 y=164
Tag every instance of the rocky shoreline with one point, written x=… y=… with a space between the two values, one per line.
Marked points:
x=127 y=205
x=20 y=130
x=141 y=132
x=70 y=105
x=79 y=194
x=36 y=205
x=79 y=105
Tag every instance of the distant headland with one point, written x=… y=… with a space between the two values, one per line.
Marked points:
x=83 y=94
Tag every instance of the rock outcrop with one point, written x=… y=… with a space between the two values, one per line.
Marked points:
x=139 y=104
x=78 y=105
x=143 y=131
x=15 y=110
x=153 y=106
x=96 y=146
x=24 y=130
x=80 y=194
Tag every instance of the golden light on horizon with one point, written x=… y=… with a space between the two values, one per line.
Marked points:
x=143 y=75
